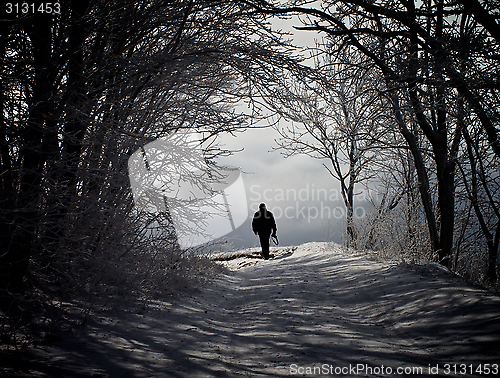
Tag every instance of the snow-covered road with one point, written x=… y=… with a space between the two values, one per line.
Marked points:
x=316 y=310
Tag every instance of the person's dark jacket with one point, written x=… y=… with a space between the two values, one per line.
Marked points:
x=263 y=222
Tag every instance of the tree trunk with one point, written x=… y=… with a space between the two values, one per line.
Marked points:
x=15 y=259
x=351 y=231
x=446 y=205
x=65 y=176
x=423 y=179
x=7 y=195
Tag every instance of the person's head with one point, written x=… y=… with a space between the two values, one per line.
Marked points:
x=262 y=207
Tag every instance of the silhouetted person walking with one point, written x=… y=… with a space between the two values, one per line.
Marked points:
x=263 y=224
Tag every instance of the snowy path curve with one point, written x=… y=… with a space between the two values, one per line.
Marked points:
x=315 y=308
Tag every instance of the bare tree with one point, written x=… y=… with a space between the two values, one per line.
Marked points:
x=337 y=119
x=418 y=49
x=81 y=91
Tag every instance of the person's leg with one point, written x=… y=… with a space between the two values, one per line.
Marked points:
x=264 y=243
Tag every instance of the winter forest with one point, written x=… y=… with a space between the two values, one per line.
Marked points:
x=398 y=96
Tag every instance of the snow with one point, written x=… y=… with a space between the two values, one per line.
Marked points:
x=311 y=306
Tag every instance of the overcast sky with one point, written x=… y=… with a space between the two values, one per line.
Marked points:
x=298 y=190
x=303 y=196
